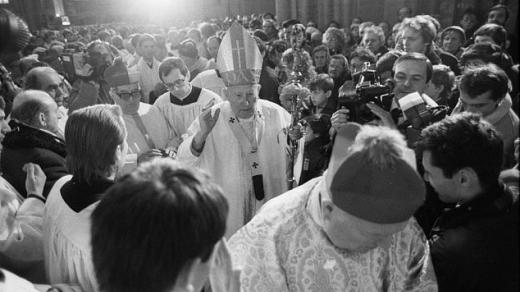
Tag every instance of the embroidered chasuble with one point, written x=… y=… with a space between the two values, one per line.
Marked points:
x=284 y=248
x=227 y=156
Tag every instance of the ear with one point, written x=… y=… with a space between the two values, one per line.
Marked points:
x=42 y=119
x=328 y=93
x=188 y=76
x=326 y=209
x=467 y=178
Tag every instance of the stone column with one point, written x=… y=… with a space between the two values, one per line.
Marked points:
x=283 y=10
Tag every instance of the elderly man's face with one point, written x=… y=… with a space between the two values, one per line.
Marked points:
x=54 y=84
x=52 y=115
x=243 y=99
x=355 y=234
x=128 y=97
x=410 y=76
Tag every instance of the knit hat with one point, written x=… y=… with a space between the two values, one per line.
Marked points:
x=239 y=60
x=376 y=181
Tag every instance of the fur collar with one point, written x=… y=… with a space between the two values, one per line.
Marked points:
x=23 y=136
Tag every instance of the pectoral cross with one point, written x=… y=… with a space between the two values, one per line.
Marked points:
x=255 y=165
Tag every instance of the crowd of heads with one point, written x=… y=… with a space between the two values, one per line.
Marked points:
x=469 y=67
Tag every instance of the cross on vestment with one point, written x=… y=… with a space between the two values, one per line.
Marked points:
x=238 y=49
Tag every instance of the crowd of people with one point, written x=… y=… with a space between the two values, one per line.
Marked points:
x=251 y=154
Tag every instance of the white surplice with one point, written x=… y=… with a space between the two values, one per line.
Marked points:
x=66 y=241
x=156 y=128
x=223 y=157
x=284 y=248
x=180 y=117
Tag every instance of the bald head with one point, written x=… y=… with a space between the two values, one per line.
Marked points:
x=30 y=105
x=48 y=80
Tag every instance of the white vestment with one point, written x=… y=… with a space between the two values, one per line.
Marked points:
x=66 y=241
x=223 y=156
x=180 y=117
x=154 y=126
x=284 y=248
x=209 y=80
x=148 y=77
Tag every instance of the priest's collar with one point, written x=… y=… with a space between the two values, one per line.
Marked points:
x=191 y=98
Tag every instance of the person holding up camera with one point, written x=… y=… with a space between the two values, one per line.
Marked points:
x=412 y=72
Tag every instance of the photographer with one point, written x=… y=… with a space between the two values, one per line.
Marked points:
x=412 y=72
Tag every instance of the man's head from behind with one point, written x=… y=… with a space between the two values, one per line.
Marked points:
x=37 y=109
x=371 y=193
x=155 y=230
x=462 y=156
x=483 y=88
x=441 y=83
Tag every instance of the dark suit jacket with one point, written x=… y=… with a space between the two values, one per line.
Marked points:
x=25 y=144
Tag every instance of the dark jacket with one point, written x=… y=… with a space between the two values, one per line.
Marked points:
x=25 y=144
x=474 y=246
x=269 y=85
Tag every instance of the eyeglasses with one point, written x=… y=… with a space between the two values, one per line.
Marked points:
x=176 y=84
x=125 y=95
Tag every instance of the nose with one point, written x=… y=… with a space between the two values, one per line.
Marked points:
x=407 y=82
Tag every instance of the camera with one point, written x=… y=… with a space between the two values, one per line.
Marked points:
x=418 y=113
x=365 y=88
